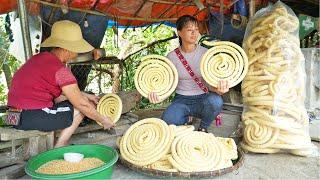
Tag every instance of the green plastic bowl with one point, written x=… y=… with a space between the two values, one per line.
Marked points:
x=105 y=153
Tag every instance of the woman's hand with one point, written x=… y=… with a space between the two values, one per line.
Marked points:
x=81 y=102
x=97 y=54
x=153 y=98
x=107 y=123
x=223 y=87
x=60 y=99
x=91 y=97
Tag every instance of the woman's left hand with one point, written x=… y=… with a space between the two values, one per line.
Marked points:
x=97 y=54
x=223 y=87
x=93 y=98
x=60 y=99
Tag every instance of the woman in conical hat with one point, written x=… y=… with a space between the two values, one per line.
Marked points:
x=47 y=92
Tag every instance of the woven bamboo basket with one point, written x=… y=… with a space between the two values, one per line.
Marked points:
x=205 y=174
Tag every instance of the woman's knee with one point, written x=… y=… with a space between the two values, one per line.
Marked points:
x=176 y=114
x=77 y=115
x=214 y=101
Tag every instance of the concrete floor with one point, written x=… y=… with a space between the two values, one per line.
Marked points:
x=256 y=166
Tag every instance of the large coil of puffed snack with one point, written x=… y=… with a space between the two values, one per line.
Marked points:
x=146 y=141
x=274 y=117
x=224 y=61
x=110 y=105
x=198 y=151
x=175 y=149
x=156 y=74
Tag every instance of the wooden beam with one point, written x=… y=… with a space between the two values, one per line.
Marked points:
x=106 y=14
x=170 y=2
x=149 y=45
x=8 y=159
x=102 y=60
x=8 y=144
x=108 y=71
x=315 y=2
x=13 y=172
x=7 y=134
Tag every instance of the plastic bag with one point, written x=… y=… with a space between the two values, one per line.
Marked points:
x=273 y=90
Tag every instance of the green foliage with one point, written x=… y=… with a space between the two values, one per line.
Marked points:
x=3 y=97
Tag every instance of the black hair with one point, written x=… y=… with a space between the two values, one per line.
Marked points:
x=183 y=21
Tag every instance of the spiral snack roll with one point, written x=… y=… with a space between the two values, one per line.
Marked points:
x=273 y=90
x=198 y=151
x=224 y=61
x=156 y=74
x=110 y=105
x=151 y=143
x=146 y=141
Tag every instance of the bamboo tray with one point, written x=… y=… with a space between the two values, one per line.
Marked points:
x=205 y=174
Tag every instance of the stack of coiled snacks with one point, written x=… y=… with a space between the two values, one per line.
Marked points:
x=151 y=143
x=274 y=116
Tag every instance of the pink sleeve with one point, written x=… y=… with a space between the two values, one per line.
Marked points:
x=65 y=77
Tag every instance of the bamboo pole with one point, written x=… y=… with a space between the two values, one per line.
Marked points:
x=252 y=8
x=170 y=2
x=150 y=45
x=23 y=16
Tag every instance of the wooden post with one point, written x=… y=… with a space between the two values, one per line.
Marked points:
x=50 y=140
x=25 y=150
x=34 y=145
x=13 y=147
x=129 y=100
x=42 y=144
x=117 y=71
x=252 y=8
x=25 y=28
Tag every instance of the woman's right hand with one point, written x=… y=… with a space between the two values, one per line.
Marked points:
x=153 y=98
x=107 y=123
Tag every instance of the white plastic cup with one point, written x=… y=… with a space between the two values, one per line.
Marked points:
x=73 y=157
